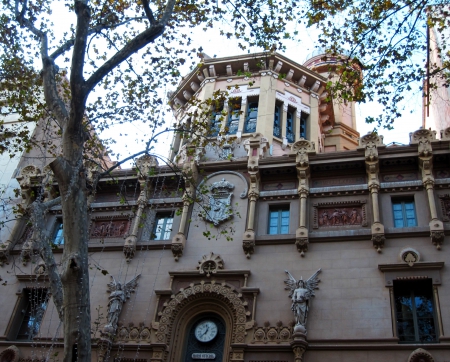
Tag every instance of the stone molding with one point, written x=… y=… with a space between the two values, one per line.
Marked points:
x=420 y=355
x=420 y=270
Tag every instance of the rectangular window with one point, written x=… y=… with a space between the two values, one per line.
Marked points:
x=162 y=227
x=404 y=213
x=414 y=309
x=58 y=235
x=216 y=120
x=252 y=115
x=303 y=120
x=235 y=114
x=290 y=125
x=32 y=312
x=277 y=121
x=279 y=220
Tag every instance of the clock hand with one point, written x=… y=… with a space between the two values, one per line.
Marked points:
x=207 y=329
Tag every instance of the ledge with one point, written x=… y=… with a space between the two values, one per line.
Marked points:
x=193 y=273
x=346 y=188
x=430 y=265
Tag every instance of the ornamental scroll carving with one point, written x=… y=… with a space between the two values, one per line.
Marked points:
x=334 y=214
x=201 y=291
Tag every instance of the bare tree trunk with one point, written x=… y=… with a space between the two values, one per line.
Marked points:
x=75 y=271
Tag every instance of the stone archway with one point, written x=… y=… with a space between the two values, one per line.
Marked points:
x=199 y=298
x=420 y=355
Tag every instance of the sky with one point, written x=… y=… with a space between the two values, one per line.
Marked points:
x=216 y=46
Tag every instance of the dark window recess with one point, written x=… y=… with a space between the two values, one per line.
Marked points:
x=233 y=120
x=404 y=213
x=32 y=311
x=415 y=311
x=278 y=220
x=252 y=115
x=58 y=236
x=277 y=122
x=290 y=126
x=303 y=120
x=162 y=227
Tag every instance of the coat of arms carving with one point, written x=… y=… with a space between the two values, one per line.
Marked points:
x=218 y=208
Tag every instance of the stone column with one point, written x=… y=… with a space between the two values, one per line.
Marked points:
x=371 y=143
x=255 y=147
x=190 y=175
x=283 y=120
x=423 y=138
x=302 y=149
x=144 y=167
x=312 y=128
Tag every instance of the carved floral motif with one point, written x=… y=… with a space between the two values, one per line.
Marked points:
x=272 y=334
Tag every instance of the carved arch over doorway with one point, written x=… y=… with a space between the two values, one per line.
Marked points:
x=200 y=298
x=420 y=355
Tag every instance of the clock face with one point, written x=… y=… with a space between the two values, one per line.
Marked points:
x=206 y=330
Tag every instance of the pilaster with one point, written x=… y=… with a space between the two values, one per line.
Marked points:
x=371 y=143
x=190 y=175
x=144 y=166
x=256 y=147
x=302 y=149
x=424 y=138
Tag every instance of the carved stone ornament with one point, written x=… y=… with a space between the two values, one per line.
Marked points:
x=445 y=134
x=409 y=256
x=10 y=354
x=302 y=148
x=219 y=208
x=118 y=295
x=423 y=138
x=445 y=206
x=268 y=334
x=370 y=143
x=420 y=355
x=338 y=214
x=110 y=228
x=249 y=246
x=145 y=165
x=4 y=252
x=201 y=291
x=210 y=264
x=301 y=292
x=437 y=238
x=378 y=241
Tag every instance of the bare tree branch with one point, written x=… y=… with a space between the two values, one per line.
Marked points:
x=148 y=12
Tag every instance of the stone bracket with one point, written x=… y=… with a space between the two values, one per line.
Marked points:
x=248 y=243
x=178 y=244
x=378 y=237
x=302 y=240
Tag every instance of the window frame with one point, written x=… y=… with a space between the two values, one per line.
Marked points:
x=279 y=209
x=277 y=114
x=403 y=202
x=164 y=231
x=252 y=106
x=291 y=117
x=235 y=106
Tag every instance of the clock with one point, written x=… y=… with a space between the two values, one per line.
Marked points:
x=206 y=330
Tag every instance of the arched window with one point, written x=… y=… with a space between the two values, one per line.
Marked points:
x=205 y=339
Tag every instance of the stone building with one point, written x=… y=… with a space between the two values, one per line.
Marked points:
x=307 y=242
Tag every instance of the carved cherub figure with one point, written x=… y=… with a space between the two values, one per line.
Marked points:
x=300 y=293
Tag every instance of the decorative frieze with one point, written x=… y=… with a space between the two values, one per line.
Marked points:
x=344 y=213
x=272 y=334
x=110 y=227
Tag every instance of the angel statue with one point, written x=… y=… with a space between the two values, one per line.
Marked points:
x=300 y=293
x=119 y=294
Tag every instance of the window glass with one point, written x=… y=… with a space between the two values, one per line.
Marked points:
x=252 y=115
x=233 y=121
x=277 y=122
x=303 y=118
x=404 y=213
x=36 y=300
x=278 y=220
x=58 y=237
x=290 y=125
x=162 y=227
x=415 y=311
